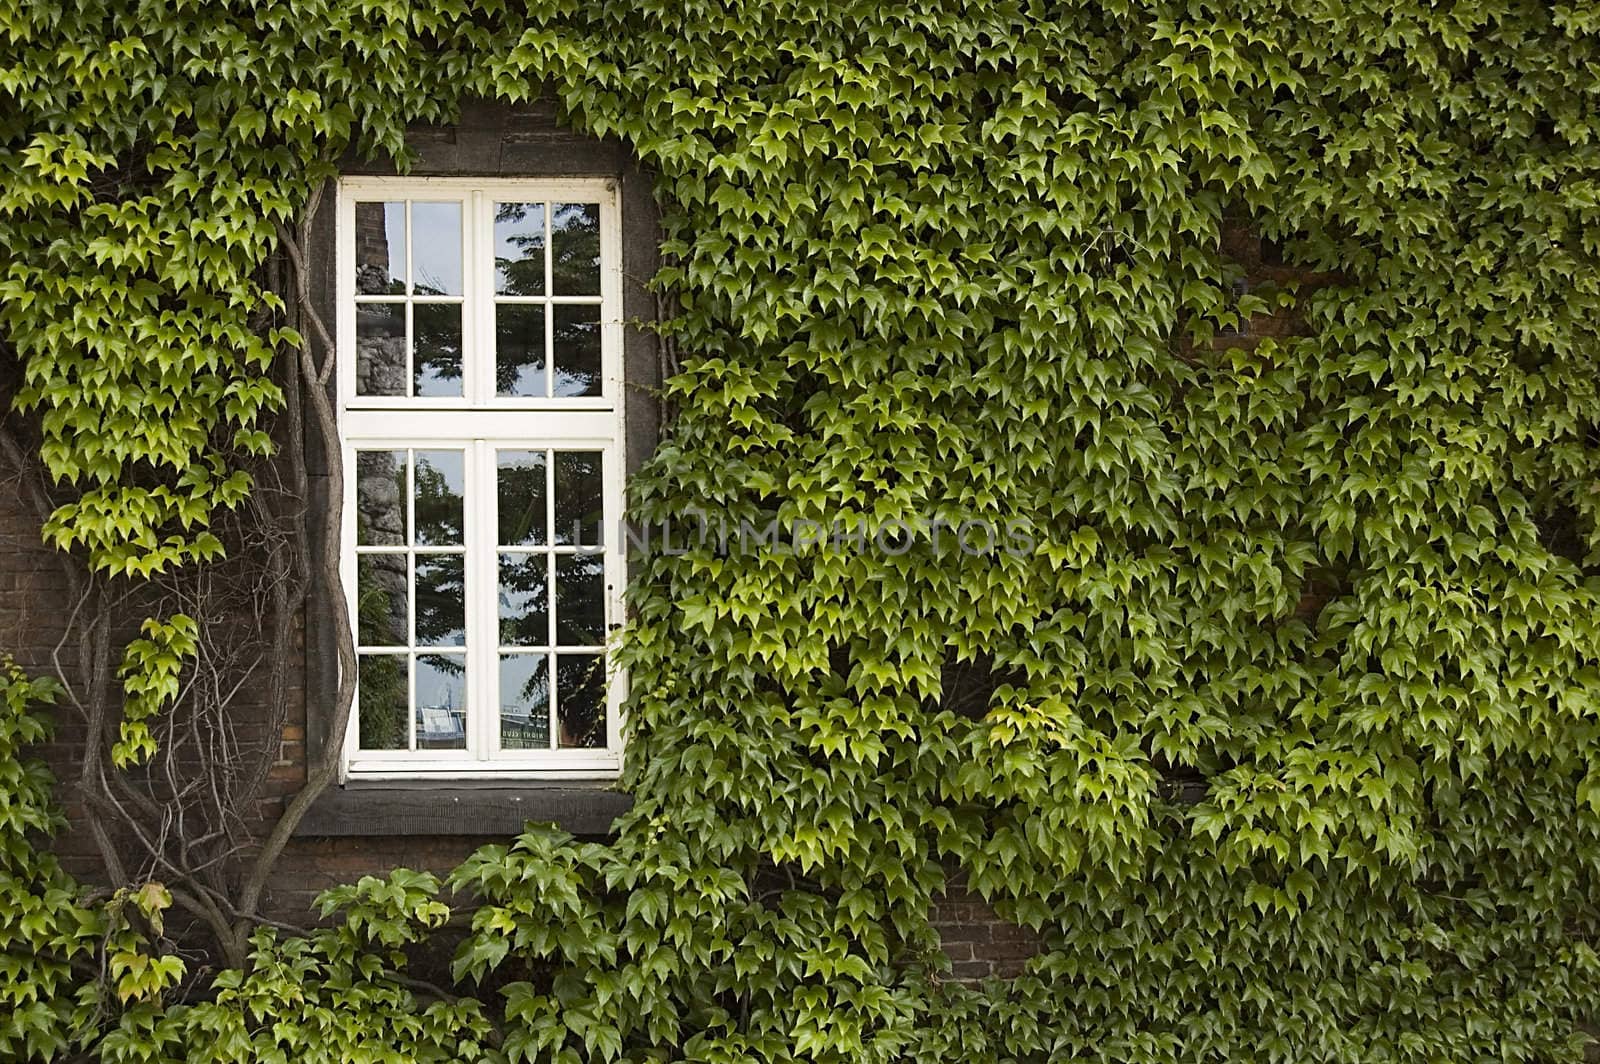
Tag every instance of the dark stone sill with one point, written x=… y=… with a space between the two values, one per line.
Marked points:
x=462 y=807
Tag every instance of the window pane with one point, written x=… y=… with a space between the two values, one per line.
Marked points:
x=576 y=338
x=441 y=600
x=380 y=348
x=382 y=613
x=524 y=600
x=381 y=712
x=381 y=498
x=581 y=700
x=439 y=484
x=578 y=493
x=575 y=242
x=436 y=254
x=524 y=702
x=519 y=249
x=519 y=363
x=441 y=702
x=580 y=600
x=436 y=349
x=520 y=483
x=380 y=249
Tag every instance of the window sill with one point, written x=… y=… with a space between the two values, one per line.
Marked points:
x=462 y=807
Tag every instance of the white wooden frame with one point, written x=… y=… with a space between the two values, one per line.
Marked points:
x=480 y=423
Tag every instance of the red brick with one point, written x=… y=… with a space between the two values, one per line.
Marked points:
x=974 y=937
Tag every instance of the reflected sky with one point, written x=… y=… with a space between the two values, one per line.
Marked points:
x=436 y=254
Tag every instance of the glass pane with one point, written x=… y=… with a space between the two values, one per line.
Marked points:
x=381 y=605
x=380 y=348
x=441 y=600
x=436 y=251
x=380 y=249
x=519 y=249
x=519 y=364
x=580 y=600
x=578 y=490
x=576 y=339
x=381 y=498
x=441 y=702
x=575 y=241
x=524 y=702
x=381 y=711
x=524 y=600
x=581 y=701
x=436 y=349
x=520 y=484
x=440 y=481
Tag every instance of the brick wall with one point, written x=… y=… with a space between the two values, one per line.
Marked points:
x=979 y=943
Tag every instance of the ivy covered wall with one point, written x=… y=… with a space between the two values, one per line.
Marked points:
x=1281 y=733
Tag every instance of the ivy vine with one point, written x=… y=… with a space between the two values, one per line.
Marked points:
x=1316 y=540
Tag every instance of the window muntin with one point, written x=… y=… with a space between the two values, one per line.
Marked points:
x=483 y=436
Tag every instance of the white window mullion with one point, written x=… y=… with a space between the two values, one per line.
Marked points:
x=611 y=325
x=477 y=333
x=489 y=646
x=552 y=709
x=483 y=606
x=410 y=539
x=410 y=315
x=410 y=709
x=470 y=371
x=549 y=313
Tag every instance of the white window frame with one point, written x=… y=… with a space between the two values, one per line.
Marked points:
x=480 y=423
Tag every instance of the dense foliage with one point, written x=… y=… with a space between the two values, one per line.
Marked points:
x=930 y=262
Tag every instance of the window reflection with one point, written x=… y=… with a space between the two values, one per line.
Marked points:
x=581 y=700
x=575 y=248
x=441 y=702
x=519 y=349
x=381 y=349
x=380 y=248
x=436 y=351
x=576 y=339
x=519 y=249
x=524 y=702
x=436 y=250
x=440 y=483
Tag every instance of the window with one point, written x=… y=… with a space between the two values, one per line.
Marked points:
x=481 y=415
